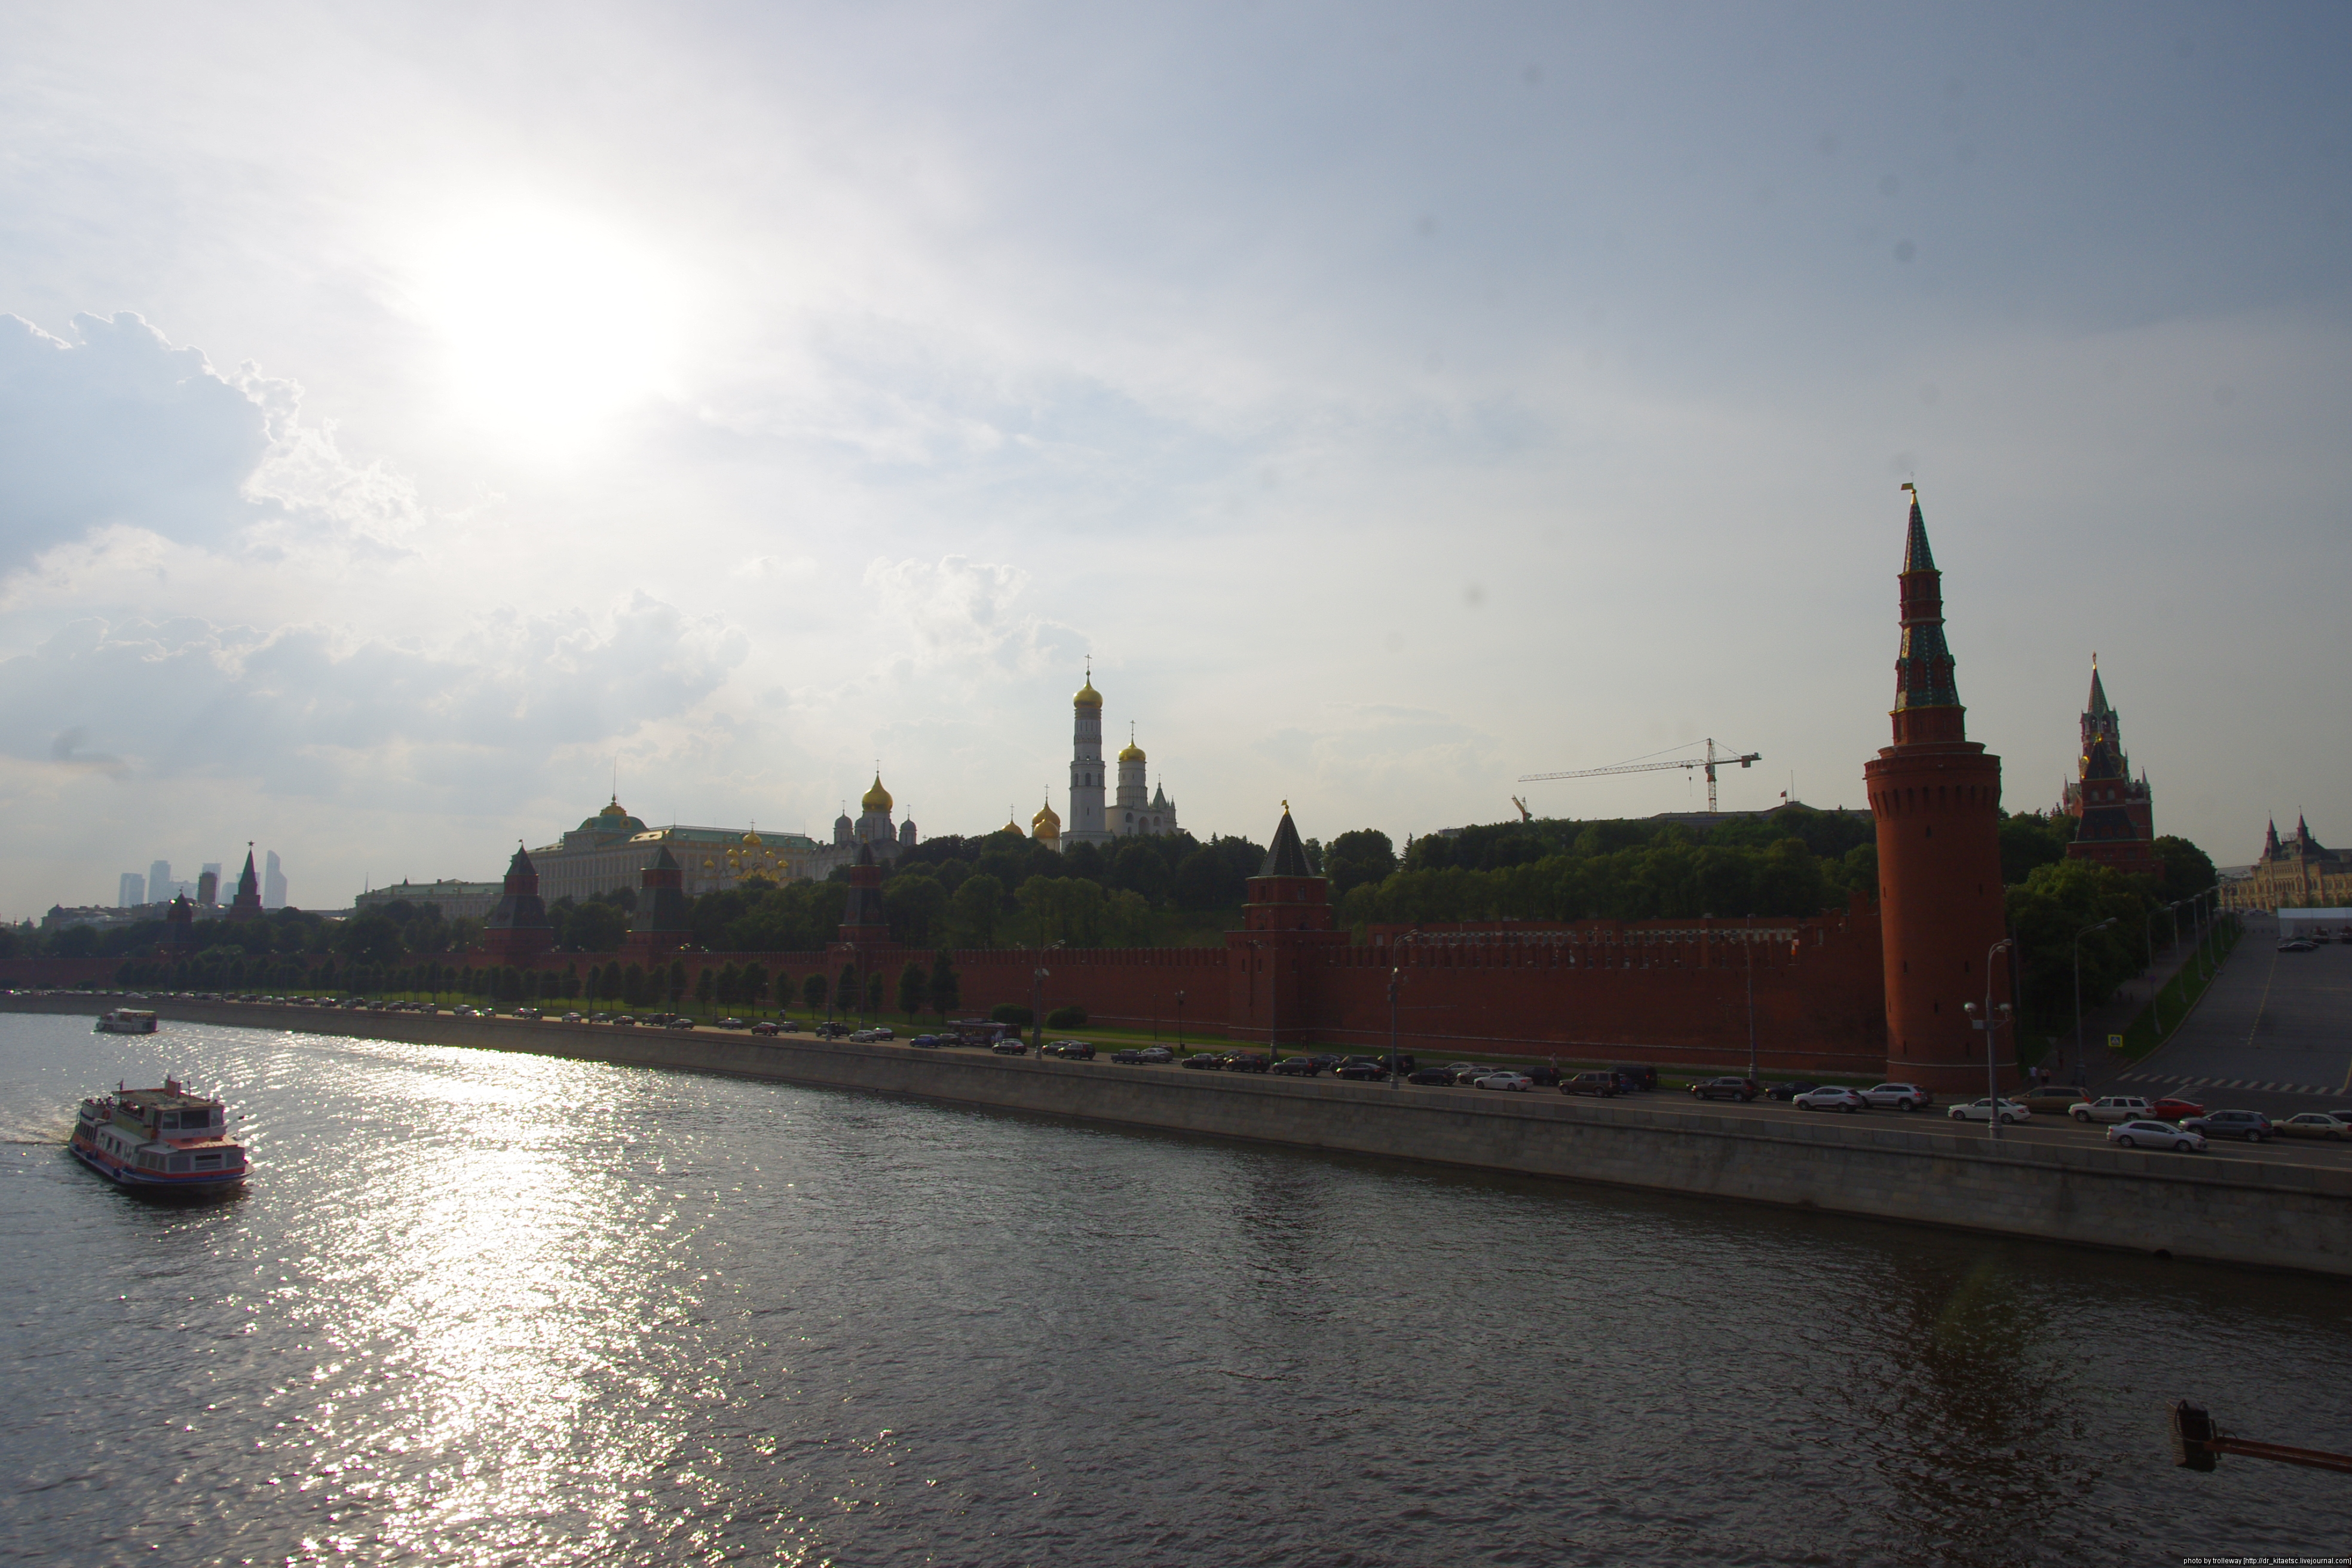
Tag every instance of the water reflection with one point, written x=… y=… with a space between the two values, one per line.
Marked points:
x=484 y=1309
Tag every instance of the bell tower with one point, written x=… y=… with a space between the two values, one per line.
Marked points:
x=1937 y=797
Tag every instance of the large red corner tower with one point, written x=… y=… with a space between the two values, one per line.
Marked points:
x=1937 y=797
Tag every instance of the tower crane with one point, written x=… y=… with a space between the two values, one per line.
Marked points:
x=1709 y=762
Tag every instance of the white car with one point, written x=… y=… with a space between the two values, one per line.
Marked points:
x=2011 y=1113
x=2155 y=1135
x=1507 y=1080
x=1900 y=1096
x=1830 y=1098
x=2114 y=1108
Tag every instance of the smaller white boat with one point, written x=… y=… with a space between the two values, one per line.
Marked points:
x=125 y=1021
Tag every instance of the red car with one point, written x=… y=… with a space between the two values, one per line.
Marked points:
x=2172 y=1108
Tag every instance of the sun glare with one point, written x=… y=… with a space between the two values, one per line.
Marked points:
x=553 y=323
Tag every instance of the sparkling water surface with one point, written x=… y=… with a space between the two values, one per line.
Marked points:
x=482 y=1308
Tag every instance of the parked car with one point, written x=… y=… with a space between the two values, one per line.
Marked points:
x=1431 y=1076
x=1155 y=1055
x=2155 y=1135
x=2173 y=1108
x=1511 y=1082
x=519 y=1012
x=1900 y=1096
x=1789 y=1091
x=831 y=1031
x=2011 y=1113
x=1205 y=1061
x=1245 y=1061
x=2314 y=1124
x=1829 y=1097
x=1328 y=1061
x=2114 y=1108
x=1642 y=1075
x=2298 y=945
x=2051 y=1098
x=1011 y=1046
x=1362 y=1070
x=572 y=1019
x=786 y=1026
x=1071 y=1050
x=2248 y=1124
x=680 y=1022
x=728 y=1024
x=1545 y=1077
x=1604 y=1084
x=883 y=1032
x=1739 y=1088
x=1467 y=1073
x=767 y=1026
x=1297 y=1066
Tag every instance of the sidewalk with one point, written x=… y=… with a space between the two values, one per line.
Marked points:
x=2113 y=1016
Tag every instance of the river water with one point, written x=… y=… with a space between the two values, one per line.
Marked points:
x=479 y=1307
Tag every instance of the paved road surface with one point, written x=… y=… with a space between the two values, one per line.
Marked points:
x=2274 y=1034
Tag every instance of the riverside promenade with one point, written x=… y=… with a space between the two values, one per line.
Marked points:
x=2282 y=1206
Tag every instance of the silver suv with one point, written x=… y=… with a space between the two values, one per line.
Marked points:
x=2115 y=1107
x=1899 y=1096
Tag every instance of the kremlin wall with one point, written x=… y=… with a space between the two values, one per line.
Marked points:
x=1891 y=988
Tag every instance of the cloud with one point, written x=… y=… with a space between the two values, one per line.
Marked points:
x=957 y=611
x=301 y=712
x=119 y=428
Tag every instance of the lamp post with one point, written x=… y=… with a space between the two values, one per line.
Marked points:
x=1037 y=978
x=1180 y=1020
x=1396 y=979
x=2156 y=981
x=2078 y=994
x=1990 y=1021
x=1751 y=945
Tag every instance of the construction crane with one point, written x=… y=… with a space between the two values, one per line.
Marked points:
x=1525 y=814
x=1709 y=762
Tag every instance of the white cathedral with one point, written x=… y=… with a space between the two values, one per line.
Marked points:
x=1137 y=811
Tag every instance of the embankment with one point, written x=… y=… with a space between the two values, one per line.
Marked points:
x=2271 y=1214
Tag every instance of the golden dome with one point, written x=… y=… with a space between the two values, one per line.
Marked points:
x=1045 y=824
x=752 y=840
x=1087 y=696
x=878 y=798
x=1131 y=752
x=612 y=809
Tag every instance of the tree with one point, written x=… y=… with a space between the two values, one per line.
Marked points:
x=979 y=903
x=915 y=905
x=911 y=987
x=2187 y=871
x=755 y=983
x=873 y=996
x=813 y=992
x=1355 y=859
x=1141 y=869
x=844 y=990
x=371 y=939
x=597 y=927
x=947 y=987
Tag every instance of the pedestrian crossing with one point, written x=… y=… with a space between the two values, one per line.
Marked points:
x=2233 y=1083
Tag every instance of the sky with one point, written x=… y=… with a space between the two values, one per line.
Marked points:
x=414 y=418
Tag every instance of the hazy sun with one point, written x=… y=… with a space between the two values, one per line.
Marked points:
x=553 y=323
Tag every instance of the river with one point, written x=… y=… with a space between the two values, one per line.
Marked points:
x=488 y=1309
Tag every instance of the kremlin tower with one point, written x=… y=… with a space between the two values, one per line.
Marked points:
x=2115 y=820
x=1937 y=797
x=1086 y=825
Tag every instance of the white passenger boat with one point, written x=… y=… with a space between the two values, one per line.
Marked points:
x=159 y=1139
x=126 y=1021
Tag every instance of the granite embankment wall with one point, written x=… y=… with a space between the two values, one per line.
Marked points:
x=2280 y=1214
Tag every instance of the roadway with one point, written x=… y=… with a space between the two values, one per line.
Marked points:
x=2272 y=1033
x=2044 y=1129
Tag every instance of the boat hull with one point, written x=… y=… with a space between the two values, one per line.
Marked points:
x=137 y=1180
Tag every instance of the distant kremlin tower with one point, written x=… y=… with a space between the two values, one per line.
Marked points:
x=2114 y=820
x=1937 y=797
x=1134 y=813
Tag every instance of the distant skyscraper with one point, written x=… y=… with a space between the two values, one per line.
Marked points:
x=273 y=884
x=208 y=886
x=133 y=891
x=159 y=882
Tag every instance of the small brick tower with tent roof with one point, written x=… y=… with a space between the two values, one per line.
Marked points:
x=660 y=924
x=247 y=906
x=1286 y=919
x=1937 y=797
x=518 y=927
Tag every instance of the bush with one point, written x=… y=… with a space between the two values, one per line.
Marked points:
x=1012 y=1012
x=1066 y=1018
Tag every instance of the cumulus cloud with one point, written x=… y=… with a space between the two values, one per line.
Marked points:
x=957 y=611
x=304 y=712
x=117 y=428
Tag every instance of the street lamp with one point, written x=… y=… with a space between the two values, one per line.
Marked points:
x=1179 y=1021
x=1396 y=979
x=1037 y=978
x=1991 y=1023
x=1751 y=945
x=2155 y=981
x=2078 y=994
